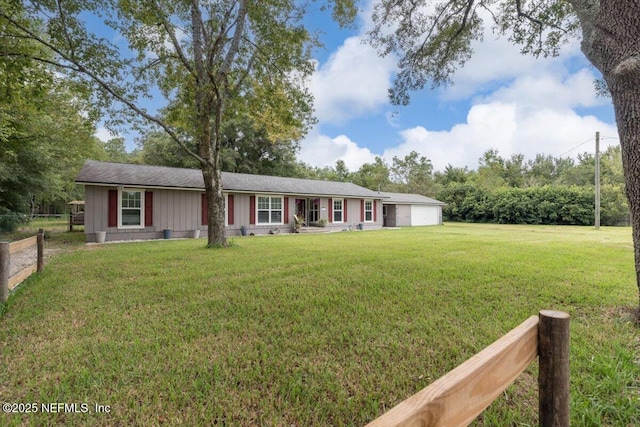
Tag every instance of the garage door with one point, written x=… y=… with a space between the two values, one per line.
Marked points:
x=424 y=215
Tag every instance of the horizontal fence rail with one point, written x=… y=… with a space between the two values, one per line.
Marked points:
x=22 y=244
x=8 y=283
x=461 y=395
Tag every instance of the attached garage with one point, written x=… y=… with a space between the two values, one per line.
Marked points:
x=403 y=210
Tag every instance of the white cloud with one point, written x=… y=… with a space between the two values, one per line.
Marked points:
x=321 y=150
x=103 y=134
x=352 y=82
x=507 y=127
x=550 y=90
x=392 y=118
x=488 y=125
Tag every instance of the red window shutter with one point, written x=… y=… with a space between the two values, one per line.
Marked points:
x=112 y=214
x=375 y=211
x=230 y=213
x=252 y=210
x=362 y=210
x=148 y=208
x=344 y=210
x=330 y=210
x=204 y=209
x=286 y=210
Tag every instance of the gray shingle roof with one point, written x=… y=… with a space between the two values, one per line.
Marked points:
x=103 y=173
x=412 y=199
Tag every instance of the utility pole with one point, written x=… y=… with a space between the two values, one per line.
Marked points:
x=597 y=180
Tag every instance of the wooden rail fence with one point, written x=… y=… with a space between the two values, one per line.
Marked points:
x=461 y=395
x=7 y=282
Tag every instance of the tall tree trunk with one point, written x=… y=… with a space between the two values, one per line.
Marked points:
x=216 y=235
x=611 y=42
x=209 y=109
x=620 y=24
x=210 y=166
x=626 y=100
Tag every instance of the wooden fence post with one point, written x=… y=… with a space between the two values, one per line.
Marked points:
x=40 y=250
x=4 y=271
x=553 y=376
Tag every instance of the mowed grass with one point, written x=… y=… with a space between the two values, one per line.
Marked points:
x=302 y=330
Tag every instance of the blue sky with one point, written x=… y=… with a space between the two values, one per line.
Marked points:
x=500 y=99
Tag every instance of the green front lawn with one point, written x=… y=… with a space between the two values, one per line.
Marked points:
x=303 y=330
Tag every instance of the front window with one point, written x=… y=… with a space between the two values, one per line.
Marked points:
x=131 y=209
x=337 y=210
x=368 y=210
x=270 y=210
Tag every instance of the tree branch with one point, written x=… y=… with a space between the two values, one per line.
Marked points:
x=66 y=27
x=247 y=71
x=79 y=68
x=170 y=29
x=152 y=64
x=437 y=21
x=235 y=42
x=488 y=9
x=463 y=24
x=536 y=21
x=215 y=46
x=260 y=51
x=522 y=14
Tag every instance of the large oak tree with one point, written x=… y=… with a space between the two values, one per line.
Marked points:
x=206 y=60
x=432 y=39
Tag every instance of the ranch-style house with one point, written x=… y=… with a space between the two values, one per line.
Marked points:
x=135 y=202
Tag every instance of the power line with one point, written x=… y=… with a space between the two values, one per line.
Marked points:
x=577 y=146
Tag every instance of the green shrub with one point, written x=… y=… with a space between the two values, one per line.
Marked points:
x=614 y=209
x=10 y=221
x=550 y=205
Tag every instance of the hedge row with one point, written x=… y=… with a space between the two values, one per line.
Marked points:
x=557 y=205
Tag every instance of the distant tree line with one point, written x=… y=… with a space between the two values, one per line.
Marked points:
x=545 y=190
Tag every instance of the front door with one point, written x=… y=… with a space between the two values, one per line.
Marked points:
x=389 y=213
x=314 y=211
x=301 y=210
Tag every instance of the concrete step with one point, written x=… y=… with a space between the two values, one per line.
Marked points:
x=312 y=230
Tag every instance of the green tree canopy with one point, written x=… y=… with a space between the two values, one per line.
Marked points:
x=46 y=130
x=374 y=176
x=414 y=172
